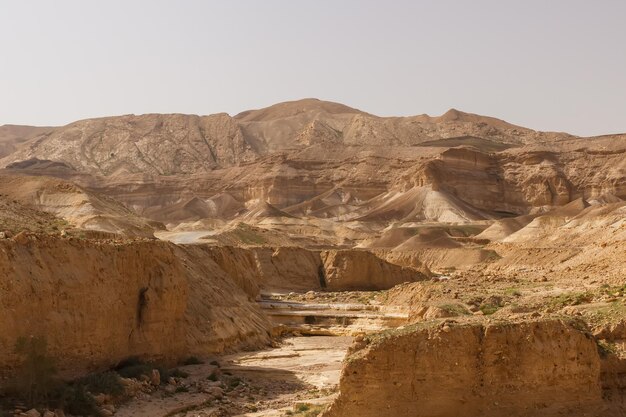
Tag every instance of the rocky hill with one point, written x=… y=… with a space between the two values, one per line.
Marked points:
x=293 y=162
x=167 y=144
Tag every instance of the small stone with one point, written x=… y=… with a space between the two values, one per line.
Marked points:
x=155 y=378
x=106 y=413
x=109 y=407
x=217 y=392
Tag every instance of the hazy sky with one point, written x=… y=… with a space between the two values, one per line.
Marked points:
x=549 y=65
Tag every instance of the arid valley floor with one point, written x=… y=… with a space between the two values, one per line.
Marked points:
x=311 y=259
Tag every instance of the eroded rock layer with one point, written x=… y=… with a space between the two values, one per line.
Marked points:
x=545 y=367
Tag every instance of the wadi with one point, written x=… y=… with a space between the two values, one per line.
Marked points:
x=311 y=259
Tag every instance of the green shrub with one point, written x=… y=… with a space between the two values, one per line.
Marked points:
x=103 y=383
x=488 y=309
x=455 y=309
x=300 y=408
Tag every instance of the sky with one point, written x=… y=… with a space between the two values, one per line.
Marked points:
x=555 y=65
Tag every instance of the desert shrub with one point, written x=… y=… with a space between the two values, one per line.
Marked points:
x=572 y=299
x=300 y=408
x=192 y=360
x=133 y=367
x=103 y=383
x=606 y=348
x=306 y=410
x=36 y=373
x=235 y=382
x=76 y=400
x=178 y=373
x=488 y=309
x=455 y=309
x=135 y=371
x=513 y=292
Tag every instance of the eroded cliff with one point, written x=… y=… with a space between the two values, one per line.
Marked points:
x=99 y=302
x=543 y=367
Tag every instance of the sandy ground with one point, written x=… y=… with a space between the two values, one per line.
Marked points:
x=302 y=369
x=184 y=237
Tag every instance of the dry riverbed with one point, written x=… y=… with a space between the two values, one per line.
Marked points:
x=272 y=382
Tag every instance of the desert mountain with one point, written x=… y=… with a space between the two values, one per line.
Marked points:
x=315 y=167
x=314 y=218
x=12 y=136
x=168 y=144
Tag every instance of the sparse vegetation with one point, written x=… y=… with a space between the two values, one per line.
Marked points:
x=306 y=410
x=606 y=348
x=488 y=308
x=192 y=360
x=571 y=299
x=35 y=379
x=103 y=383
x=455 y=309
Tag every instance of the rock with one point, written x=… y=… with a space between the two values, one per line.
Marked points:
x=21 y=238
x=216 y=392
x=346 y=270
x=543 y=359
x=31 y=413
x=155 y=377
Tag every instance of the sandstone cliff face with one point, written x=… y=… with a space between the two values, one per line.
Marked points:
x=360 y=270
x=95 y=303
x=545 y=368
x=298 y=269
x=290 y=269
x=98 y=303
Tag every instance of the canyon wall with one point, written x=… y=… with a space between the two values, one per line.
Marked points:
x=353 y=270
x=298 y=269
x=544 y=367
x=99 y=302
